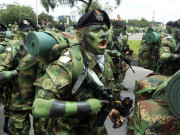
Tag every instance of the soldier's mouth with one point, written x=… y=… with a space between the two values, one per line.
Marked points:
x=102 y=44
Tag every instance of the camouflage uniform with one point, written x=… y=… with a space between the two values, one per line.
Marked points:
x=55 y=87
x=57 y=84
x=23 y=96
x=119 y=43
x=167 y=64
x=19 y=106
x=152 y=115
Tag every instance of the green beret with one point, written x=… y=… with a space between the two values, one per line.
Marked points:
x=94 y=17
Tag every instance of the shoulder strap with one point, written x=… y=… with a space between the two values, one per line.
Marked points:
x=77 y=59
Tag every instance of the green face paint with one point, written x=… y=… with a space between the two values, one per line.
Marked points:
x=176 y=33
x=117 y=30
x=2 y=36
x=95 y=38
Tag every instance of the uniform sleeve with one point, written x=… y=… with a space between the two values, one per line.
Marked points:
x=56 y=82
x=166 y=51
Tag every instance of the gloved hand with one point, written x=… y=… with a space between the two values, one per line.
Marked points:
x=95 y=105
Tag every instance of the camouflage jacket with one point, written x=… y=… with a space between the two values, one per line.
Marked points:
x=9 y=60
x=58 y=81
x=168 y=65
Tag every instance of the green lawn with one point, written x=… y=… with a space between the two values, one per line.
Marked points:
x=134 y=45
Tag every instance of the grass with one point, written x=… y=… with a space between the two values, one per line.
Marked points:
x=134 y=45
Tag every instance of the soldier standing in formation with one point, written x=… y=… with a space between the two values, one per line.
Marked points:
x=118 y=41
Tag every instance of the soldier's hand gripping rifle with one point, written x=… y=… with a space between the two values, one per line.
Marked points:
x=119 y=55
x=122 y=104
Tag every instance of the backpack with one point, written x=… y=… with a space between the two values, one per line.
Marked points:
x=156 y=107
x=149 y=49
x=34 y=66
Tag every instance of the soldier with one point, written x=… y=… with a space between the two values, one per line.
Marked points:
x=152 y=116
x=76 y=113
x=119 y=43
x=3 y=95
x=20 y=95
x=169 y=52
x=10 y=27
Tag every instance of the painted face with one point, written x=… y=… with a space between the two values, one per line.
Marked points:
x=117 y=30
x=176 y=33
x=95 y=38
x=2 y=36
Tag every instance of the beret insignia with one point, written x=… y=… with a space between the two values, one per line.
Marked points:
x=98 y=15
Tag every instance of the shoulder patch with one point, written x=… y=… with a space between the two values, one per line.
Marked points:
x=64 y=59
x=66 y=53
x=47 y=84
x=9 y=49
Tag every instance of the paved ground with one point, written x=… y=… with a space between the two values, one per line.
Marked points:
x=137 y=36
x=129 y=82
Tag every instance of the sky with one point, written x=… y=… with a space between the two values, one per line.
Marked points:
x=162 y=10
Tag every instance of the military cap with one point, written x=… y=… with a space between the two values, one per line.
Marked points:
x=119 y=23
x=60 y=27
x=94 y=17
x=177 y=24
x=27 y=23
x=170 y=23
x=3 y=27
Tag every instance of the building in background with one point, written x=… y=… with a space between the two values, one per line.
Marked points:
x=62 y=16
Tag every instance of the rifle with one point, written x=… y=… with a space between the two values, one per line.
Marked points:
x=122 y=104
x=120 y=56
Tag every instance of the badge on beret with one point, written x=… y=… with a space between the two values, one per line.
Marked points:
x=98 y=15
x=47 y=84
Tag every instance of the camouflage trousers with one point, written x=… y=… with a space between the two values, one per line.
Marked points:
x=20 y=122
x=6 y=111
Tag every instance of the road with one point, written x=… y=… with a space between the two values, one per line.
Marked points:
x=129 y=82
x=137 y=36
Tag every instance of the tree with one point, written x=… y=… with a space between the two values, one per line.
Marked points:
x=64 y=21
x=54 y=3
x=16 y=13
x=139 y=23
x=43 y=17
x=94 y=5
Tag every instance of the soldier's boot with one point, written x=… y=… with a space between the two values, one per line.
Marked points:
x=6 y=127
x=125 y=88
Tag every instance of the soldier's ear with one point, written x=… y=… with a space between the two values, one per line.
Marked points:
x=79 y=35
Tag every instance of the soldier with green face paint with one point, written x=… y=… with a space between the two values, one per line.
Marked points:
x=70 y=108
x=118 y=41
x=169 y=52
